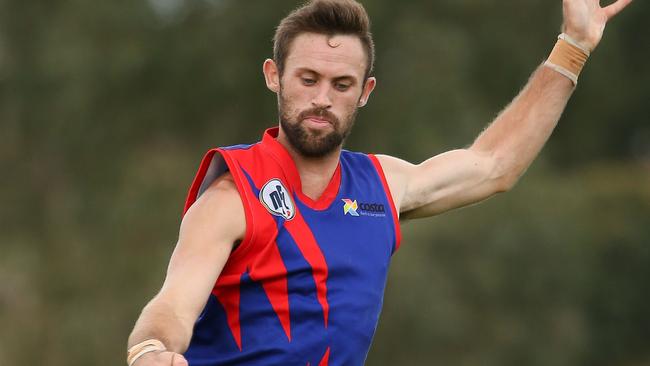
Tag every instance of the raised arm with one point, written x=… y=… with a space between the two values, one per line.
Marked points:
x=207 y=235
x=504 y=150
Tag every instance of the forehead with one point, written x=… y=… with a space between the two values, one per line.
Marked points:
x=339 y=54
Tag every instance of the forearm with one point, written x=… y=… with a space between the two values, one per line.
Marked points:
x=515 y=138
x=158 y=321
x=520 y=131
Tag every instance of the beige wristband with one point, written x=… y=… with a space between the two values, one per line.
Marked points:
x=568 y=58
x=142 y=348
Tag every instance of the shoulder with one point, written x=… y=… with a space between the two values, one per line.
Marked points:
x=397 y=173
x=219 y=207
x=221 y=192
x=394 y=166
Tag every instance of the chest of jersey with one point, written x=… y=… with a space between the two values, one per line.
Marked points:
x=306 y=285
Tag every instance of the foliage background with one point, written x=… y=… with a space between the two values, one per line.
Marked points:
x=107 y=107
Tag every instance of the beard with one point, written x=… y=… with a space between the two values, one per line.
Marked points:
x=314 y=143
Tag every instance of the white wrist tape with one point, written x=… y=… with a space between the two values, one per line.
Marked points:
x=142 y=348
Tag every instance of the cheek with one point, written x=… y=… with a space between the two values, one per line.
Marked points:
x=349 y=104
x=295 y=100
x=295 y=91
x=290 y=98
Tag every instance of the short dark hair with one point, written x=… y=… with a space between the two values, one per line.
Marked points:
x=328 y=17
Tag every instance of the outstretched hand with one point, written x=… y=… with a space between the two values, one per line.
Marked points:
x=585 y=20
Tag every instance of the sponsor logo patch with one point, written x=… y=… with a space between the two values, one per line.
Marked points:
x=350 y=207
x=354 y=208
x=277 y=200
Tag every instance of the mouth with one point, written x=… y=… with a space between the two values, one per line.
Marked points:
x=318 y=121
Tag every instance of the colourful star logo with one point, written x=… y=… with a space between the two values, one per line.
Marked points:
x=350 y=207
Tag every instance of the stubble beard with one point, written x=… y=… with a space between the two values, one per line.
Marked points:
x=313 y=143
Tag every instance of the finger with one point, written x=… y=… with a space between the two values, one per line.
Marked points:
x=615 y=8
x=179 y=360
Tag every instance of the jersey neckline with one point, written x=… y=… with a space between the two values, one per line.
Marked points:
x=280 y=153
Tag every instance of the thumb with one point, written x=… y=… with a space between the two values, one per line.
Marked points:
x=179 y=360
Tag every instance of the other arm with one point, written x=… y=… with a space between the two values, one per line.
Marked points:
x=503 y=152
x=207 y=235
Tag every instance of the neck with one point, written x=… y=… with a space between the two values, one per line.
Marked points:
x=315 y=173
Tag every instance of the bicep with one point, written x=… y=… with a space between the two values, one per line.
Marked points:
x=207 y=235
x=450 y=180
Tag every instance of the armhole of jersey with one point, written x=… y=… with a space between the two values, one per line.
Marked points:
x=210 y=169
x=389 y=195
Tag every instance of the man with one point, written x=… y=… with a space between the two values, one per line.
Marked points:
x=285 y=244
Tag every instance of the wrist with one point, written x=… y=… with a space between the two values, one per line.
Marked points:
x=146 y=347
x=586 y=40
x=147 y=358
x=576 y=42
x=568 y=57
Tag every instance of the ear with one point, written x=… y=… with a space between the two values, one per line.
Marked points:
x=368 y=87
x=271 y=75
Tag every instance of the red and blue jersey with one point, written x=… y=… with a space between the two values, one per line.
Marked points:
x=305 y=286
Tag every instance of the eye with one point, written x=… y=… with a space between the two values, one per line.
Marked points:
x=342 y=86
x=308 y=81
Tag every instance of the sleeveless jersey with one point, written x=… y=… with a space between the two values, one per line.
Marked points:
x=305 y=286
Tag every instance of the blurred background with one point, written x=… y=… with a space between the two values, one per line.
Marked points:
x=106 y=108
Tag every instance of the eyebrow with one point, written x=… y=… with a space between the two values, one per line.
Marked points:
x=338 y=78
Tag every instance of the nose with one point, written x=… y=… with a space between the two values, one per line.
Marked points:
x=322 y=97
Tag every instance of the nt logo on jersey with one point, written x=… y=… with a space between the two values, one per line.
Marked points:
x=277 y=200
